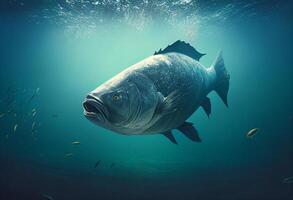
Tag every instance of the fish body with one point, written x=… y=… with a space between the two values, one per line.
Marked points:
x=75 y=143
x=288 y=180
x=34 y=112
x=34 y=95
x=33 y=126
x=68 y=155
x=252 y=132
x=47 y=197
x=97 y=164
x=158 y=93
x=15 y=127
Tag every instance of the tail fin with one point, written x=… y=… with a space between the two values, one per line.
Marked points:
x=222 y=78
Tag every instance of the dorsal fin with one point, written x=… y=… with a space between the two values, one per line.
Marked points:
x=181 y=47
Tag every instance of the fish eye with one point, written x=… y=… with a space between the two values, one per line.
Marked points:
x=116 y=97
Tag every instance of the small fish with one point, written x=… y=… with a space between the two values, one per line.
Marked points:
x=112 y=165
x=15 y=127
x=288 y=180
x=68 y=155
x=34 y=132
x=97 y=164
x=34 y=112
x=33 y=126
x=54 y=115
x=252 y=132
x=34 y=95
x=75 y=143
x=47 y=197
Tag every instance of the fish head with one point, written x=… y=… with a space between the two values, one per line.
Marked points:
x=107 y=106
x=122 y=104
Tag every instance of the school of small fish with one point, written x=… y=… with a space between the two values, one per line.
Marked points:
x=20 y=117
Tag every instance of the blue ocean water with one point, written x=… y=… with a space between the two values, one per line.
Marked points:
x=54 y=52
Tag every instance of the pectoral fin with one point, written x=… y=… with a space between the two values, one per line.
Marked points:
x=169 y=103
x=170 y=136
x=206 y=105
x=189 y=131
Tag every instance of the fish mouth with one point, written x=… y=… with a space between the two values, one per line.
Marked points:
x=94 y=108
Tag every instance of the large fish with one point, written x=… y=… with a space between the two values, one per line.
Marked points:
x=158 y=93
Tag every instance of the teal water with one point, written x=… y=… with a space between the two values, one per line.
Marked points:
x=66 y=60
